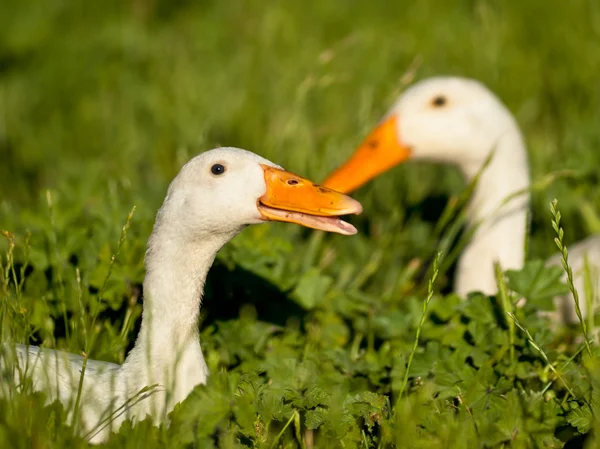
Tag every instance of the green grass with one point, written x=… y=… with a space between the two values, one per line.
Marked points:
x=307 y=335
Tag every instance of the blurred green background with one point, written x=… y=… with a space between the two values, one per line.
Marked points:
x=122 y=93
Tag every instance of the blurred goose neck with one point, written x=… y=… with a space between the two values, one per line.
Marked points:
x=499 y=224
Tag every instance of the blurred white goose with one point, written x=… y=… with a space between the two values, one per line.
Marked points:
x=459 y=121
x=213 y=198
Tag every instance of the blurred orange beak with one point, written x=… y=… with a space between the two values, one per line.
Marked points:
x=379 y=152
x=293 y=199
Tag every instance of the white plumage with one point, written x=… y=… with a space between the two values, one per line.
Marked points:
x=459 y=121
x=212 y=198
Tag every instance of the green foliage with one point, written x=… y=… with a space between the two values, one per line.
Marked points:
x=308 y=336
x=537 y=283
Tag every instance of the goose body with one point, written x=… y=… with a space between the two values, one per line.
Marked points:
x=459 y=121
x=583 y=255
x=213 y=198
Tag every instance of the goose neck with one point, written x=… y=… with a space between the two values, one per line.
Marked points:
x=497 y=213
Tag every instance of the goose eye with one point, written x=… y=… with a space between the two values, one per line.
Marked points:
x=217 y=169
x=439 y=101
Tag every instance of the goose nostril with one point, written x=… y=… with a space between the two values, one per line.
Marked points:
x=373 y=144
x=292 y=182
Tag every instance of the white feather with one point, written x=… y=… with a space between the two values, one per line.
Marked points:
x=463 y=131
x=200 y=214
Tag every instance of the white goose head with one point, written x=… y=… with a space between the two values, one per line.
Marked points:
x=223 y=190
x=445 y=119
x=214 y=196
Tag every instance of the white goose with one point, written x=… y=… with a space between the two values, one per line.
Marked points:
x=213 y=198
x=459 y=121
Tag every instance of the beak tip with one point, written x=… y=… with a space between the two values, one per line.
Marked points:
x=359 y=209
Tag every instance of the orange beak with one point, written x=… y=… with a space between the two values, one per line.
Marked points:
x=379 y=152
x=293 y=199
